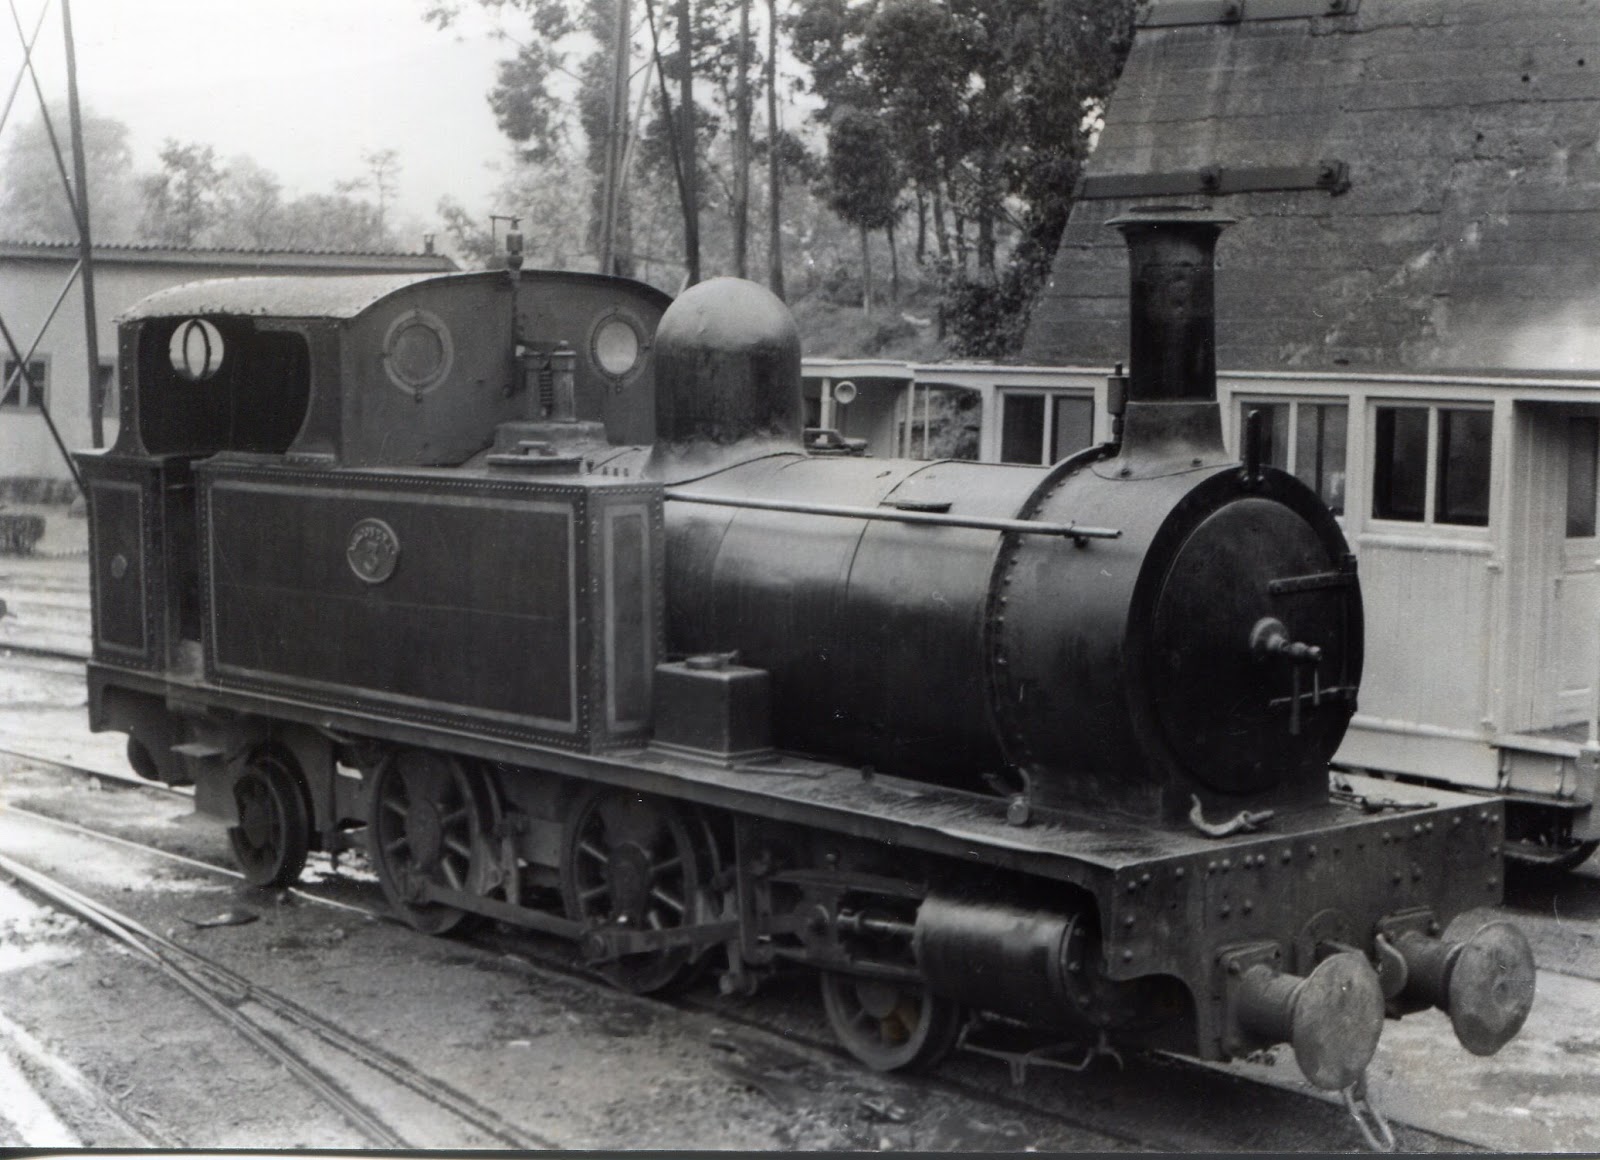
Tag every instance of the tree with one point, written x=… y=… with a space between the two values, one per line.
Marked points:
x=997 y=142
x=249 y=206
x=332 y=221
x=33 y=200
x=181 y=199
x=382 y=177
x=863 y=182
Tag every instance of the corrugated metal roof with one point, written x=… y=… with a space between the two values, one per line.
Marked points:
x=350 y=261
x=320 y=296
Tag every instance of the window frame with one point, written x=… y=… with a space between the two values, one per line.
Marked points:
x=1244 y=403
x=1431 y=478
x=1047 y=428
x=20 y=407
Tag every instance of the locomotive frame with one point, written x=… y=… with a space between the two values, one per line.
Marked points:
x=418 y=563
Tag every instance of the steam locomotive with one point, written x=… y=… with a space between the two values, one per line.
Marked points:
x=534 y=583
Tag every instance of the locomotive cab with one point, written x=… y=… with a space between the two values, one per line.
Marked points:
x=330 y=374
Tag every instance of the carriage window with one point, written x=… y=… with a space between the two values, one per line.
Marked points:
x=1454 y=442
x=1400 y=464
x=1319 y=447
x=1022 y=429
x=1583 y=459
x=1315 y=454
x=15 y=396
x=1274 y=431
x=1463 y=487
x=1029 y=429
x=1074 y=425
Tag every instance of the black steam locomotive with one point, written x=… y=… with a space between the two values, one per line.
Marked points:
x=535 y=583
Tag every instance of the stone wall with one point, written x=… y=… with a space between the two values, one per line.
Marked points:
x=1469 y=236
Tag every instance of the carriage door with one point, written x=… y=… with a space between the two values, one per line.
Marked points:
x=1576 y=605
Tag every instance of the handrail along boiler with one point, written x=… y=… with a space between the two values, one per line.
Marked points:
x=530 y=578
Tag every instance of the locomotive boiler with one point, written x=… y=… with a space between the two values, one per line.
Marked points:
x=535 y=585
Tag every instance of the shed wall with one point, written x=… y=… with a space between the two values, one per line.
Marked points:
x=1469 y=236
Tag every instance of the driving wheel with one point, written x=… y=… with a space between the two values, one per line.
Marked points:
x=637 y=863
x=890 y=1026
x=431 y=824
x=274 y=830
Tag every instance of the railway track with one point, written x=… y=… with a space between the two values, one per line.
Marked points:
x=235 y=1000
x=752 y=1055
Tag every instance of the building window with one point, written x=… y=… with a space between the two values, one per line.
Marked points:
x=1432 y=459
x=110 y=403
x=17 y=396
x=1583 y=463
x=1030 y=425
x=1307 y=439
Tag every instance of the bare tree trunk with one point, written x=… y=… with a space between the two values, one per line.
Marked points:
x=922 y=225
x=894 y=266
x=691 y=198
x=986 y=242
x=988 y=210
x=741 y=148
x=866 y=273
x=940 y=234
x=774 y=167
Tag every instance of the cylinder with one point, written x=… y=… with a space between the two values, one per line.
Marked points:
x=1172 y=303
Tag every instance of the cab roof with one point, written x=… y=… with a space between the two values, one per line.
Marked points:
x=303 y=296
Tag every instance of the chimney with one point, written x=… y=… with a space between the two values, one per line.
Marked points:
x=1172 y=343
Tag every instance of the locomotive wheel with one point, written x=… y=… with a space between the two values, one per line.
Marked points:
x=274 y=830
x=639 y=863
x=429 y=825
x=141 y=761
x=890 y=1026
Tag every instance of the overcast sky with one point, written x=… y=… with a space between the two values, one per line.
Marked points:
x=303 y=86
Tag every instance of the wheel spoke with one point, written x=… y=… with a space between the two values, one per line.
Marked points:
x=454 y=817
x=451 y=875
x=460 y=847
x=666 y=899
x=399 y=844
x=595 y=852
x=394 y=805
x=667 y=866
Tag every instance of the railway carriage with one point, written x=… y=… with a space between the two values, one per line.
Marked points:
x=536 y=584
x=1470 y=499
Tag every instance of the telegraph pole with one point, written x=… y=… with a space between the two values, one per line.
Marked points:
x=616 y=142
x=80 y=205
